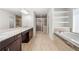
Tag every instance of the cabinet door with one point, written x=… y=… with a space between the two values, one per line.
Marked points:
x=16 y=45
x=25 y=37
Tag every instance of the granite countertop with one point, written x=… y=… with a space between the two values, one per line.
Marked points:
x=7 y=33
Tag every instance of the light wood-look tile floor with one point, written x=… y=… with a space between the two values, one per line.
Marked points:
x=42 y=42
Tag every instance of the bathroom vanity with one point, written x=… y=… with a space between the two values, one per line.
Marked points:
x=12 y=40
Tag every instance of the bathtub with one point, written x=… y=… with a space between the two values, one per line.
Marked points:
x=71 y=37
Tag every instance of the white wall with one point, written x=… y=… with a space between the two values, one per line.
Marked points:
x=76 y=20
x=34 y=25
x=27 y=21
x=5 y=17
x=50 y=22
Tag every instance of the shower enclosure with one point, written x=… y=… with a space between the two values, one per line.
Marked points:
x=41 y=24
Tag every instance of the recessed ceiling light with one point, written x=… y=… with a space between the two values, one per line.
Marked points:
x=24 y=11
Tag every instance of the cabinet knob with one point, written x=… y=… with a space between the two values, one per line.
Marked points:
x=8 y=49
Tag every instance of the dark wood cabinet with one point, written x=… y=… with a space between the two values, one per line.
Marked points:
x=16 y=45
x=27 y=35
x=3 y=49
x=11 y=44
x=5 y=43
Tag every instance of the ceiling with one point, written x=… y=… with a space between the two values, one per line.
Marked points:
x=39 y=12
x=15 y=11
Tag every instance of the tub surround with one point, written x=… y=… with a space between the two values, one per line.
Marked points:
x=68 y=39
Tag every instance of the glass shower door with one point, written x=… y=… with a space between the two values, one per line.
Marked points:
x=41 y=24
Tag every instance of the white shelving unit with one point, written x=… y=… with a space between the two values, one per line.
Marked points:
x=63 y=12
x=63 y=22
x=62 y=19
